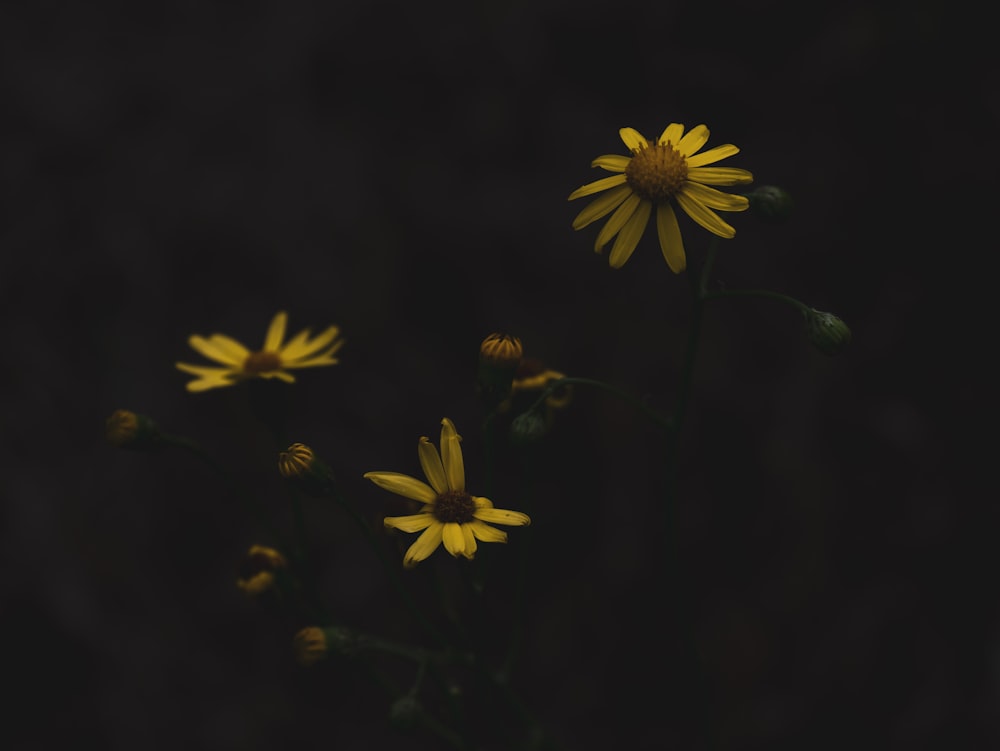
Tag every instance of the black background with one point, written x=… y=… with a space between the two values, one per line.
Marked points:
x=402 y=171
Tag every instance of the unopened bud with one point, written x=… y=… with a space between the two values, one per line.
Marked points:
x=300 y=465
x=770 y=203
x=827 y=332
x=499 y=357
x=313 y=644
x=259 y=568
x=405 y=712
x=127 y=430
x=528 y=427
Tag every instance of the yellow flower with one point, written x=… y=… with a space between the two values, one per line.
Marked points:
x=257 y=570
x=274 y=360
x=450 y=514
x=661 y=173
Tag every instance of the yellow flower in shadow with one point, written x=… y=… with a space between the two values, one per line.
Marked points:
x=660 y=174
x=450 y=515
x=273 y=360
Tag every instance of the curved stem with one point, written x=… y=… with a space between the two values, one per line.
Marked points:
x=797 y=304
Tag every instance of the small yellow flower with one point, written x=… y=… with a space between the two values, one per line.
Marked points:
x=661 y=173
x=257 y=570
x=450 y=514
x=274 y=360
x=309 y=646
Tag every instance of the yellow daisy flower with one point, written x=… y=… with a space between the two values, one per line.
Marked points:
x=450 y=514
x=272 y=361
x=661 y=174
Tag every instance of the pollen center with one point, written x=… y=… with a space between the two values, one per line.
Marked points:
x=454 y=506
x=656 y=172
x=262 y=362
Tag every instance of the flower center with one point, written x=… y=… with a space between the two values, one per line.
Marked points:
x=262 y=362
x=656 y=172
x=454 y=506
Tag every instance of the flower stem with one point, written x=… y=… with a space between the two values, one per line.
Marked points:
x=797 y=304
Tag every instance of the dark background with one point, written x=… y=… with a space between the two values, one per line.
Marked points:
x=402 y=171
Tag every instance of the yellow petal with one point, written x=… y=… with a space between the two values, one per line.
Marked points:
x=694 y=140
x=404 y=485
x=485 y=532
x=213 y=351
x=705 y=216
x=431 y=463
x=233 y=349
x=712 y=155
x=715 y=199
x=502 y=516
x=454 y=540
x=301 y=347
x=671 y=134
x=671 y=243
x=617 y=221
x=425 y=545
x=628 y=238
x=720 y=175
x=276 y=332
x=612 y=162
x=281 y=375
x=633 y=139
x=411 y=523
x=482 y=502
x=597 y=186
x=451 y=455
x=470 y=541
x=601 y=206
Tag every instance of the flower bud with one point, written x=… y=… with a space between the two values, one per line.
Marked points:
x=310 y=646
x=258 y=570
x=827 y=332
x=127 y=430
x=300 y=465
x=499 y=357
x=770 y=203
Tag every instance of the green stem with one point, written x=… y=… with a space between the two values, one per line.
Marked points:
x=797 y=304
x=552 y=386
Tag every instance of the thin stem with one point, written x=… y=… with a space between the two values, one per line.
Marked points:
x=797 y=304
x=552 y=386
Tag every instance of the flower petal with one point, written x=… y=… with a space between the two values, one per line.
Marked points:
x=612 y=162
x=411 y=523
x=617 y=221
x=454 y=540
x=597 y=186
x=502 y=516
x=705 y=216
x=482 y=502
x=451 y=455
x=720 y=175
x=694 y=140
x=602 y=206
x=208 y=377
x=671 y=134
x=485 y=532
x=426 y=544
x=713 y=155
x=235 y=351
x=404 y=485
x=281 y=375
x=430 y=460
x=276 y=332
x=301 y=347
x=628 y=238
x=213 y=351
x=715 y=199
x=633 y=139
x=470 y=541
x=671 y=242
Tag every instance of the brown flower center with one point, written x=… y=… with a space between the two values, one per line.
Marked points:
x=262 y=362
x=656 y=172
x=454 y=506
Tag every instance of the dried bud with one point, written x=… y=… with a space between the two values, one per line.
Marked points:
x=528 y=427
x=827 y=332
x=127 y=430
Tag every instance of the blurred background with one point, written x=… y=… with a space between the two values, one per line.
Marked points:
x=402 y=171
